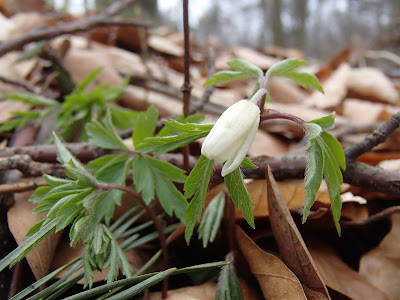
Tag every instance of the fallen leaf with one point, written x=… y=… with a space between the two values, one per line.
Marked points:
x=20 y=220
x=335 y=89
x=165 y=46
x=361 y=110
x=276 y=280
x=340 y=277
x=381 y=266
x=372 y=83
x=283 y=91
x=292 y=248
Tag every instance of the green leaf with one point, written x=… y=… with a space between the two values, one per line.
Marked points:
x=32 y=51
x=313 y=176
x=247 y=163
x=123 y=118
x=186 y=133
x=312 y=130
x=145 y=126
x=32 y=99
x=244 y=69
x=336 y=149
x=326 y=122
x=170 y=197
x=196 y=185
x=20 y=252
x=143 y=179
x=334 y=180
x=154 y=175
x=285 y=68
x=228 y=287
x=88 y=80
x=211 y=220
x=105 y=137
x=239 y=194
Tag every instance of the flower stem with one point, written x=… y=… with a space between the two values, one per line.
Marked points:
x=271 y=114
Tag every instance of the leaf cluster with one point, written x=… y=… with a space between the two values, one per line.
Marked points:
x=76 y=110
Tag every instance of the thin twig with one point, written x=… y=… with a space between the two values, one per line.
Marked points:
x=20 y=187
x=46 y=33
x=152 y=215
x=372 y=219
x=374 y=139
x=28 y=167
x=19 y=83
x=186 y=87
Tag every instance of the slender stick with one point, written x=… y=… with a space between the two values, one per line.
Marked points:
x=186 y=87
x=153 y=216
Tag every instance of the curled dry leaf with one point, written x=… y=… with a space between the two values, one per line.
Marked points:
x=341 y=278
x=275 y=278
x=291 y=245
x=381 y=266
x=20 y=220
x=335 y=88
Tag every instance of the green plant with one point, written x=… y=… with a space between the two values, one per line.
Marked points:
x=85 y=201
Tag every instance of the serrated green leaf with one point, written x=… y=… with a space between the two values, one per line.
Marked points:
x=146 y=124
x=336 y=149
x=32 y=99
x=211 y=220
x=154 y=175
x=334 y=180
x=247 y=163
x=170 y=197
x=185 y=134
x=240 y=195
x=196 y=185
x=286 y=69
x=246 y=67
x=174 y=173
x=78 y=228
x=143 y=179
x=313 y=176
x=32 y=51
x=326 y=122
x=228 y=287
x=105 y=137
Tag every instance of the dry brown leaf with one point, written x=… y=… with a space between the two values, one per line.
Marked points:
x=165 y=45
x=341 y=278
x=281 y=52
x=276 y=280
x=205 y=291
x=362 y=111
x=266 y=144
x=335 y=88
x=381 y=266
x=292 y=192
x=372 y=83
x=282 y=91
x=292 y=248
x=326 y=70
x=20 y=220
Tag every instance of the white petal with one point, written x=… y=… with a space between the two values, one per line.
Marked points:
x=234 y=161
x=225 y=138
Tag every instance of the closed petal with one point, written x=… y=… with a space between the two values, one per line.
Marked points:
x=234 y=161
x=225 y=138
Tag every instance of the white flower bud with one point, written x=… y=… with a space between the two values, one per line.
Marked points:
x=233 y=133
